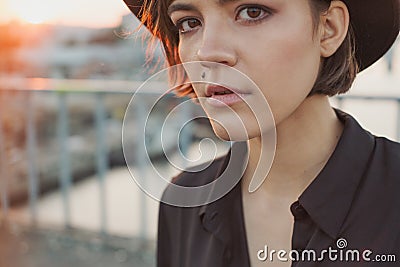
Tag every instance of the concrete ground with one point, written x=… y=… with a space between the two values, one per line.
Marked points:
x=33 y=247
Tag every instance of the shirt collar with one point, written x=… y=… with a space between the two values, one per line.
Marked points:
x=224 y=218
x=222 y=163
x=329 y=196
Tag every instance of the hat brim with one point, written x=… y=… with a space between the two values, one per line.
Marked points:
x=375 y=23
x=376 y=27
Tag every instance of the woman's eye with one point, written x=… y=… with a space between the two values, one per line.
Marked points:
x=251 y=14
x=187 y=25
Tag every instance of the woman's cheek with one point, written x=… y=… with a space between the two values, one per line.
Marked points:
x=286 y=76
x=186 y=51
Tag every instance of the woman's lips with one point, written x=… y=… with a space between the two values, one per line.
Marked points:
x=220 y=96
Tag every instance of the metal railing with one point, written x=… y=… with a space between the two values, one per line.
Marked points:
x=396 y=99
x=65 y=174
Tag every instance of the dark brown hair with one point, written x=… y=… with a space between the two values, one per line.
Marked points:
x=336 y=73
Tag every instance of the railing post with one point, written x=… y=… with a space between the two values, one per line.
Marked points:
x=340 y=102
x=140 y=117
x=101 y=157
x=31 y=149
x=65 y=166
x=3 y=174
x=398 y=120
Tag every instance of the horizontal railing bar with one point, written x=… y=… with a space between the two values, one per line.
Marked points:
x=369 y=97
x=156 y=93
x=159 y=92
x=60 y=85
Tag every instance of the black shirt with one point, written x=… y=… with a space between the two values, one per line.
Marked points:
x=350 y=211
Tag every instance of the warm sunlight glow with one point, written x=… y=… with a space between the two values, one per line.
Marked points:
x=34 y=18
x=34 y=11
x=87 y=13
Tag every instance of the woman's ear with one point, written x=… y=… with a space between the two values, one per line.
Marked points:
x=334 y=28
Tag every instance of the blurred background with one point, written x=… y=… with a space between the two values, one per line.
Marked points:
x=67 y=72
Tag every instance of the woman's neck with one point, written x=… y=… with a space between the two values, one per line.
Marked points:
x=305 y=141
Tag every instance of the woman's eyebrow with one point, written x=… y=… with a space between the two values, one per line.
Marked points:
x=189 y=7
x=178 y=6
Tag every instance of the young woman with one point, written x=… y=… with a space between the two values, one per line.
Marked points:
x=331 y=195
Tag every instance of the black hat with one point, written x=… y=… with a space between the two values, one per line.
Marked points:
x=375 y=22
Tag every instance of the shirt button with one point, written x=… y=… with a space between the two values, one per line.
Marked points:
x=298 y=211
x=212 y=220
x=214 y=215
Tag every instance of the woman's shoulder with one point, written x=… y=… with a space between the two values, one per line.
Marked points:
x=207 y=182
x=387 y=153
x=382 y=173
x=200 y=174
x=391 y=147
x=184 y=188
x=381 y=155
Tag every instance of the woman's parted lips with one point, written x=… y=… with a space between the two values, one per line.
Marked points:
x=218 y=89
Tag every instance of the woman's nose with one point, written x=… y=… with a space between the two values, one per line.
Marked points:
x=217 y=46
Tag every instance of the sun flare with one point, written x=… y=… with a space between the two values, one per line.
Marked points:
x=34 y=18
x=32 y=11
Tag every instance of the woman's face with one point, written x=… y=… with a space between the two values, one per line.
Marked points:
x=271 y=41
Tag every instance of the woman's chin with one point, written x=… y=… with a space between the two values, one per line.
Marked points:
x=236 y=135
